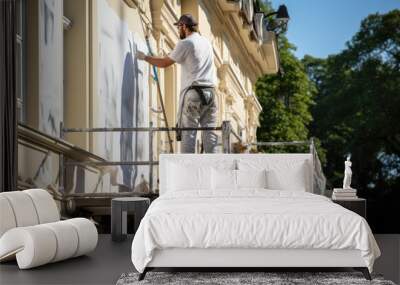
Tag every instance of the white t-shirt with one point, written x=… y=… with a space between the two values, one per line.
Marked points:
x=195 y=54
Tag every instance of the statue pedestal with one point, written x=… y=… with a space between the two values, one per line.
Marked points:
x=344 y=190
x=344 y=194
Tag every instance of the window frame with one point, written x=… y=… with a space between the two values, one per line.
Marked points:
x=20 y=59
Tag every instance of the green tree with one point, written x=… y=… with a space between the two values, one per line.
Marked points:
x=357 y=110
x=286 y=99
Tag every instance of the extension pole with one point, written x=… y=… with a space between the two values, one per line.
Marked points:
x=160 y=97
x=171 y=149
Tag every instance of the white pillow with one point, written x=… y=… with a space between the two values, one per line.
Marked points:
x=251 y=178
x=294 y=178
x=282 y=174
x=188 y=177
x=224 y=179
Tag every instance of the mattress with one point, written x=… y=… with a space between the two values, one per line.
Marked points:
x=251 y=219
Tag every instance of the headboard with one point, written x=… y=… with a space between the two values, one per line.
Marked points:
x=219 y=160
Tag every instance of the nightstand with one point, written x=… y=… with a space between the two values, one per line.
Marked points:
x=358 y=205
x=120 y=209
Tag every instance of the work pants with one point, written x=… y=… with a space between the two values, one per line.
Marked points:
x=193 y=114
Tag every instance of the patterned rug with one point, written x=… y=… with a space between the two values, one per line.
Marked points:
x=243 y=278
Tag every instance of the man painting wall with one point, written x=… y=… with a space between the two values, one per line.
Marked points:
x=197 y=102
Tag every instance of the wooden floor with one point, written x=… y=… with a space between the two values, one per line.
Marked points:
x=111 y=259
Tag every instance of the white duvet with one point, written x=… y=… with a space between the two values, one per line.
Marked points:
x=253 y=218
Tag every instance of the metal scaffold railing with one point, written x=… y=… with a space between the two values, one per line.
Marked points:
x=73 y=155
x=70 y=154
x=225 y=128
x=318 y=178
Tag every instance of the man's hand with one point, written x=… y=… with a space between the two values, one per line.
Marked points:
x=140 y=55
x=154 y=60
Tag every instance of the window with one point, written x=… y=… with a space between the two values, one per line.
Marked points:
x=20 y=59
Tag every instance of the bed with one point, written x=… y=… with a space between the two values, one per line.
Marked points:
x=247 y=211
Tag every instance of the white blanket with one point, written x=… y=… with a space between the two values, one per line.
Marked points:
x=253 y=218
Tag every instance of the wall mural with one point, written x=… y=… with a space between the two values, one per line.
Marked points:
x=50 y=70
x=122 y=99
x=50 y=66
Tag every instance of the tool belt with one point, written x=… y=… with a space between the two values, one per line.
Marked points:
x=206 y=93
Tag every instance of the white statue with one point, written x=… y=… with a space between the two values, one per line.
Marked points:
x=347 y=174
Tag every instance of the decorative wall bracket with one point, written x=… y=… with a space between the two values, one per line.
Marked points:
x=222 y=71
x=155 y=7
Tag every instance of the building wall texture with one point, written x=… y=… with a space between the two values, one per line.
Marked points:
x=87 y=76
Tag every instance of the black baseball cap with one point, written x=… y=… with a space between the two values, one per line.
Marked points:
x=187 y=20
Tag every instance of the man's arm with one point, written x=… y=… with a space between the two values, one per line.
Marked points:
x=155 y=60
x=159 y=61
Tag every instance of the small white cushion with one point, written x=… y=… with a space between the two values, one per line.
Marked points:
x=251 y=178
x=183 y=177
x=224 y=179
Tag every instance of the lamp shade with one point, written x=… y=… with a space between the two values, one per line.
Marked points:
x=282 y=13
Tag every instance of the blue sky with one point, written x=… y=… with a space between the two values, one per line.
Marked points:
x=322 y=27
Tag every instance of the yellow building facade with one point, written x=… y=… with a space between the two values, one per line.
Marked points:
x=81 y=73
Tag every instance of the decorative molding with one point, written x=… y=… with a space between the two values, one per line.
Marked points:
x=168 y=17
x=238 y=120
x=231 y=6
x=229 y=98
x=155 y=8
x=230 y=29
x=171 y=10
x=247 y=11
x=248 y=102
x=222 y=71
x=132 y=3
x=252 y=101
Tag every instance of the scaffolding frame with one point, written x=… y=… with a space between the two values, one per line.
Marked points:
x=36 y=139
x=225 y=128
